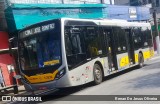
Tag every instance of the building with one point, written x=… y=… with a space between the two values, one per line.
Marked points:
x=3 y=25
x=6 y=60
x=142 y=3
x=122 y=2
x=130 y=13
x=135 y=2
x=60 y=1
x=33 y=11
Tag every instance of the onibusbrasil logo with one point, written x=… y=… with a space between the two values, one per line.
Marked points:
x=18 y=98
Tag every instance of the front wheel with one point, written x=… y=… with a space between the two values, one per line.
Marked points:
x=140 y=60
x=97 y=73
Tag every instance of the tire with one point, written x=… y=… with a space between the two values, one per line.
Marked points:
x=140 y=60
x=97 y=73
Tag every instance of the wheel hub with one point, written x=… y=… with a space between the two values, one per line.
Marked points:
x=98 y=73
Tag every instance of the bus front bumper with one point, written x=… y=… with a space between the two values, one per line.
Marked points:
x=39 y=86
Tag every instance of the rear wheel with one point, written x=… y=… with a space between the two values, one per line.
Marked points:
x=140 y=60
x=97 y=73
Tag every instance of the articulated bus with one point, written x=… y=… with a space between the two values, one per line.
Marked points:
x=69 y=52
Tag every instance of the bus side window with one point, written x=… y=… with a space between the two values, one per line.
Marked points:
x=75 y=46
x=92 y=42
x=121 y=41
x=24 y=55
x=68 y=44
x=150 y=42
x=144 y=37
x=137 y=37
x=69 y=49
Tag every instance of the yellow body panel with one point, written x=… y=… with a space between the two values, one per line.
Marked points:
x=136 y=57
x=124 y=61
x=146 y=54
x=42 y=77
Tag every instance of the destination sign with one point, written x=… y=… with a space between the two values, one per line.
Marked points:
x=37 y=30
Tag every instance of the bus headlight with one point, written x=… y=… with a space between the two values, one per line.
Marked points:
x=60 y=73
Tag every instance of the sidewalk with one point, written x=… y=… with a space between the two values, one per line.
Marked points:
x=156 y=55
x=21 y=90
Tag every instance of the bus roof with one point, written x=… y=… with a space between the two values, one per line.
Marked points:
x=112 y=22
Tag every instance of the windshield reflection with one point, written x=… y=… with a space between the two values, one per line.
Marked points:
x=40 y=51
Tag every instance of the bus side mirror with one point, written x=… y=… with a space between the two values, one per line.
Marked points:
x=11 y=40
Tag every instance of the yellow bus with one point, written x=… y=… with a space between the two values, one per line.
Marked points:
x=70 y=52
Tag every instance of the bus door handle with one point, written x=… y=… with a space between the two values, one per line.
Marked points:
x=88 y=59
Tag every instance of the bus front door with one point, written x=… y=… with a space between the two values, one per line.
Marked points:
x=130 y=47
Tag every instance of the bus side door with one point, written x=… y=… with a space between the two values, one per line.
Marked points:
x=130 y=45
x=112 y=59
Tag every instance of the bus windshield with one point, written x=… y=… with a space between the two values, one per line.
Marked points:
x=40 y=50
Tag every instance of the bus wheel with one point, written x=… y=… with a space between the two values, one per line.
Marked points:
x=140 y=60
x=97 y=72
